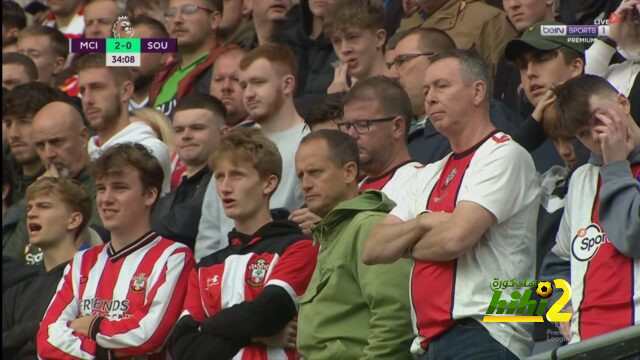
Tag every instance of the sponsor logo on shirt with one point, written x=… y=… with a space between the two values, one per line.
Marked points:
x=112 y=309
x=587 y=242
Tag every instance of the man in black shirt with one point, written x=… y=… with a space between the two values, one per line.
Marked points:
x=197 y=124
x=58 y=209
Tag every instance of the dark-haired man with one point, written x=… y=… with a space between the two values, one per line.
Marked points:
x=120 y=299
x=17 y=69
x=13 y=20
x=350 y=310
x=197 y=126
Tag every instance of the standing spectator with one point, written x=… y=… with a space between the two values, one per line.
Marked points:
x=146 y=27
x=225 y=85
x=58 y=210
x=152 y=270
x=48 y=48
x=268 y=80
x=197 y=125
x=350 y=310
x=472 y=24
x=313 y=51
x=13 y=20
x=275 y=260
x=356 y=30
x=106 y=92
x=481 y=205
x=602 y=203
x=194 y=24
x=66 y=16
x=17 y=69
x=522 y=14
x=99 y=17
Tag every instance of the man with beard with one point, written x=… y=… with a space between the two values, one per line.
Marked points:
x=146 y=27
x=194 y=25
x=106 y=92
x=225 y=85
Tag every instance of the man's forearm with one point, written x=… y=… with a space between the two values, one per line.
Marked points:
x=389 y=242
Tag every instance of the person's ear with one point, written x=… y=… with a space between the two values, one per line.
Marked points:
x=225 y=130
x=381 y=37
x=350 y=171
x=479 y=92
x=247 y=5
x=399 y=125
x=577 y=67
x=5 y=191
x=58 y=65
x=75 y=220
x=216 y=18
x=126 y=91
x=84 y=134
x=624 y=102
x=288 y=84
x=270 y=185
x=13 y=32
x=150 y=195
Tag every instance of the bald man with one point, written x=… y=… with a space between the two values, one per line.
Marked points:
x=60 y=138
x=99 y=16
x=225 y=85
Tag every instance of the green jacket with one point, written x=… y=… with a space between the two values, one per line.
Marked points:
x=351 y=310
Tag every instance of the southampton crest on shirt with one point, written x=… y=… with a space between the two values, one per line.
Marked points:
x=257 y=272
x=449 y=178
x=139 y=282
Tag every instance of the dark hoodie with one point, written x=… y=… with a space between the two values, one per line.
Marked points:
x=230 y=329
x=314 y=58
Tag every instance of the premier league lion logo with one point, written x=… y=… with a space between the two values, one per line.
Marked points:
x=122 y=26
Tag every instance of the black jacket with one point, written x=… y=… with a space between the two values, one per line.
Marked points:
x=23 y=307
x=177 y=214
x=314 y=57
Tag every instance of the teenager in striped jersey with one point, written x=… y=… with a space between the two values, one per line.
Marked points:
x=120 y=299
x=241 y=300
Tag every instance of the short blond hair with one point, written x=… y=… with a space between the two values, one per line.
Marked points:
x=159 y=123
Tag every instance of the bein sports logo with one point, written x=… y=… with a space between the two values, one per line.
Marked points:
x=587 y=242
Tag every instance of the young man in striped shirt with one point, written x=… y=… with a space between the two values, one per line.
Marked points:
x=241 y=299
x=122 y=298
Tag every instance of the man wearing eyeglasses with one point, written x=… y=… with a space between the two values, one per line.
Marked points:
x=194 y=24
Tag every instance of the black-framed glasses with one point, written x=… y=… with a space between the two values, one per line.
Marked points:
x=362 y=126
x=185 y=10
x=403 y=58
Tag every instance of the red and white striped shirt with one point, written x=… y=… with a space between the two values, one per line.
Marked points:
x=137 y=294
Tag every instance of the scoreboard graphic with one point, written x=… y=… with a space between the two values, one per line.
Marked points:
x=121 y=51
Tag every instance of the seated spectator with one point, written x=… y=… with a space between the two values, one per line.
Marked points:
x=314 y=54
x=624 y=36
x=194 y=25
x=146 y=27
x=13 y=20
x=99 y=16
x=48 y=48
x=197 y=125
x=225 y=85
x=522 y=15
x=356 y=30
x=603 y=202
x=106 y=92
x=543 y=61
x=236 y=26
x=67 y=17
x=141 y=313
x=481 y=205
x=57 y=212
x=471 y=24
x=17 y=69
x=278 y=259
x=326 y=113
x=350 y=310
x=267 y=76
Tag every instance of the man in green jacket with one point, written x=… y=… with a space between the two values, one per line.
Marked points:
x=350 y=310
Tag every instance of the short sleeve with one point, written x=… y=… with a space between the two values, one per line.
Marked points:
x=294 y=269
x=413 y=200
x=504 y=179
